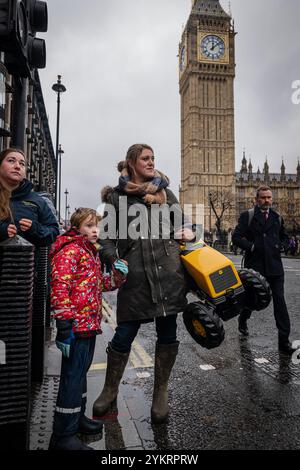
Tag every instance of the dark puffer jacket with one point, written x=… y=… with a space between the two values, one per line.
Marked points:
x=156 y=284
x=26 y=204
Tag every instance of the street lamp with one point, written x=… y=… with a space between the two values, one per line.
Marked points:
x=60 y=152
x=59 y=88
x=68 y=214
x=66 y=208
x=209 y=195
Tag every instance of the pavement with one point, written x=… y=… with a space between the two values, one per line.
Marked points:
x=241 y=395
x=119 y=429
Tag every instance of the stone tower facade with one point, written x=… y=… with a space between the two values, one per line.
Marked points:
x=206 y=81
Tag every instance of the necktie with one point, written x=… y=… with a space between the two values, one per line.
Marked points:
x=266 y=215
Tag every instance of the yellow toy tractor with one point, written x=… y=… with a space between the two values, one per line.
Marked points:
x=223 y=292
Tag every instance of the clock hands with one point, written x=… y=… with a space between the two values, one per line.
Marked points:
x=215 y=44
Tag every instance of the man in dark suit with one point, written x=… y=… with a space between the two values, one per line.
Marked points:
x=261 y=234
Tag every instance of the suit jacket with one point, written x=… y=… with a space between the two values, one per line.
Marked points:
x=262 y=241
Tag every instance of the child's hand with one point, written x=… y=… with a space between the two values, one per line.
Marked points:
x=65 y=345
x=25 y=224
x=11 y=230
x=120 y=271
x=64 y=337
x=121 y=266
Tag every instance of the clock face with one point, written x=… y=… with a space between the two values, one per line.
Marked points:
x=213 y=47
x=182 y=60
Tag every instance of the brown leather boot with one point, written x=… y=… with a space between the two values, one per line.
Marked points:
x=165 y=356
x=116 y=363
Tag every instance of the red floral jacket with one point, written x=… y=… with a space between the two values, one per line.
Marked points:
x=77 y=283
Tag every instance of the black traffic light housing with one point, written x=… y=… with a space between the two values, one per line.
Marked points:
x=20 y=20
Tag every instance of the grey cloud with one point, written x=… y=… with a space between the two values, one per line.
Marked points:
x=119 y=61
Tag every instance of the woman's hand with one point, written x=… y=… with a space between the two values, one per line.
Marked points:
x=11 y=230
x=185 y=235
x=25 y=224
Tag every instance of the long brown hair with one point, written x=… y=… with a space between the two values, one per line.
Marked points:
x=5 y=193
x=131 y=158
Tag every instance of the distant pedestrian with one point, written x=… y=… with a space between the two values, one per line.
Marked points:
x=262 y=238
x=76 y=300
x=22 y=211
x=292 y=246
x=233 y=248
x=155 y=288
x=298 y=245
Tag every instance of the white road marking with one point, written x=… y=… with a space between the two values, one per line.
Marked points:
x=142 y=375
x=261 y=360
x=207 y=367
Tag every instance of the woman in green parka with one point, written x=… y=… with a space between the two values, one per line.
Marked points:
x=149 y=226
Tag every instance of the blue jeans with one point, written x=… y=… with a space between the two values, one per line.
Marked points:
x=125 y=333
x=71 y=399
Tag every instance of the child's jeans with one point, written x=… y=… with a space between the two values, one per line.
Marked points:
x=71 y=399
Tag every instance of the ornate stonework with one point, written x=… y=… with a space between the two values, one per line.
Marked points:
x=207 y=72
x=206 y=83
x=285 y=188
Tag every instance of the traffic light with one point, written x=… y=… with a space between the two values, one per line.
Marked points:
x=37 y=14
x=20 y=20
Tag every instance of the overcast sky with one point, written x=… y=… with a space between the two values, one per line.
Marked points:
x=118 y=61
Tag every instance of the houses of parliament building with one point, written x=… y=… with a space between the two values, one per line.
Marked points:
x=206 y=84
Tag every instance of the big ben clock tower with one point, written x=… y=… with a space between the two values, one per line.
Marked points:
x=206 y=79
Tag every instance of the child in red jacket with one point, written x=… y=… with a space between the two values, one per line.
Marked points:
x=76 y=300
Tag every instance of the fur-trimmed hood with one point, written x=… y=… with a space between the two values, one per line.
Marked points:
x=105 y=192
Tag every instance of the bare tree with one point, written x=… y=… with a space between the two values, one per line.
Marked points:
x=221 y=201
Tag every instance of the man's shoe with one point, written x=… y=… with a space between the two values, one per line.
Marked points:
x=89 y=426
x=286 y=347
x=67 y=443
x=242 y=327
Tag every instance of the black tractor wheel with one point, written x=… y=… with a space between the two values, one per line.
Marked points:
x=257 y=290
x=204 y=325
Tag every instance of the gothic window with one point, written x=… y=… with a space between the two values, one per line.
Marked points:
x=241 y=207
x=241 y=192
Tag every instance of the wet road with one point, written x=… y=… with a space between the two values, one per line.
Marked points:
x=242 y=395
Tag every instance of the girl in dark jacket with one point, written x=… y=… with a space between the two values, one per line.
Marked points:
x=22 y=211
x=155 y=288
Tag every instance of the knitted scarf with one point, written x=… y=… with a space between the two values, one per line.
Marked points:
x=153 y=191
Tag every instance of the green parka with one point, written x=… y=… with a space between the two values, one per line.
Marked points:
x=156 y=283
